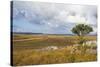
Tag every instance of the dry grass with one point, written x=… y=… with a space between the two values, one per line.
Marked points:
x=24 y=53
x=32 y=57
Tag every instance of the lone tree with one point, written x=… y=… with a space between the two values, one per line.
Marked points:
x=81 y=30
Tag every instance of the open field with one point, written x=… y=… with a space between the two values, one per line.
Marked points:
x=51 y=49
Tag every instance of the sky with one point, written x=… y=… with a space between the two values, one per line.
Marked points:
x=52 y=18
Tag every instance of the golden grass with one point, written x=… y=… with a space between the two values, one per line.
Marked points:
x=24 y=52
x=32 y=57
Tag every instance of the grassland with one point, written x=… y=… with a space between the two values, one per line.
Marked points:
x=27 y=49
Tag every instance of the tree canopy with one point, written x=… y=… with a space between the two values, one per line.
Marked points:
x=82 y=29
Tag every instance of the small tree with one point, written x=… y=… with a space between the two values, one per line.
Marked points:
x=81 y=30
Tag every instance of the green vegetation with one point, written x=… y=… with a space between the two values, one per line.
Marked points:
x=81 y=30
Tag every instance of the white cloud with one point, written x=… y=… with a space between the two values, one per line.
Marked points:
x=76 y=19
x=55 y=15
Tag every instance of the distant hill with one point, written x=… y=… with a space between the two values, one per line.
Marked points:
x=48 y=34
x=26 y=33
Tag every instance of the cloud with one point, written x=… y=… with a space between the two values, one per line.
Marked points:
x=53 y=18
